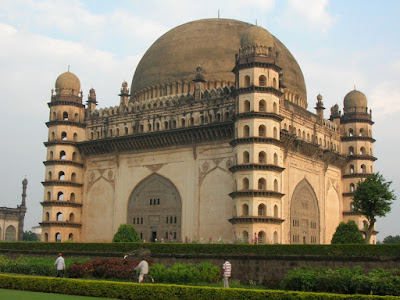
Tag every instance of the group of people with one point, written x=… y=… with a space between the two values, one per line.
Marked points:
x=143 y=266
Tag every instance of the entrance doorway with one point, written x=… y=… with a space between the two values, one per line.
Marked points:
x=154 y=236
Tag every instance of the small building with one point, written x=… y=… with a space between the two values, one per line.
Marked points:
x=12 y=219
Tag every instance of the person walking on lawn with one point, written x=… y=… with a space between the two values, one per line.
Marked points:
x=227 y=267
x=60 y=263
x=144 y=269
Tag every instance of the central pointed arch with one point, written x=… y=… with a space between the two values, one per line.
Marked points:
x=155 y=209
x=304 y=215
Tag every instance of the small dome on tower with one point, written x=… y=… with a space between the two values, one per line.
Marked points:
x=319 y=97
x=124 y=84
x=355 y=99
x=256 y=35
x=68 y=84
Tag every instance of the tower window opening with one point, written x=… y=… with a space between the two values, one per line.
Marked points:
x=246 y=131
x=62 y=155
x=262 y=106
x=246 y=157
x=65 y=116
x=60 y=196
x=245 y=183
x=262 y=185
x=245 y=210
x=61 y=175
x=261 y=131
x=63 y=136
x=262 y=80
x=246 y=82
x=246 y=107
x=262 y=157
x=262 y=210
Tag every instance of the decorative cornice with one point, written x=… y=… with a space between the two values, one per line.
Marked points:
x=160 y=139
x=259 y=89
x=61 y=203
x=252 y=140
x=350 y=213
x=60 y=224
x=62 y=162
x=255 y=193
x=65 y=122
x=256 y=114
x=61 y=183
x=348 y=194
x=357 y=138
x=258 y=219
x=362 y=157
x=66 y=103
x=59 y=142
x=246 y=167
x=356 y=175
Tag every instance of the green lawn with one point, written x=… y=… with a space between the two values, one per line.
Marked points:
x=22 y=295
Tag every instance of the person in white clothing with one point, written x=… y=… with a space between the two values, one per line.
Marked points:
x=144 y=269
x=227 y=267
x=60 y=263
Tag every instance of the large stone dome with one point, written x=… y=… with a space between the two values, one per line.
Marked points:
x=212 y=44
x=355 y=99
x=68 y=84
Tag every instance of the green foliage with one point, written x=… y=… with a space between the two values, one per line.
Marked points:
x=343 y=281
x=133 y=291
x=372 y=199
x=348 y=233
x=30 y=236
x=119 y=249
x=126 y=234
x=392 y=239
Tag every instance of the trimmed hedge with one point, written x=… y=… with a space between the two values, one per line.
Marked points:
x=122 y=290
x=209 y=249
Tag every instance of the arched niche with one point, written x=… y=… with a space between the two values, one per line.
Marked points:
x=304 y=215
x=154 y=200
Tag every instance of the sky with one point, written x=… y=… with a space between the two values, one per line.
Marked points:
x=340 y=45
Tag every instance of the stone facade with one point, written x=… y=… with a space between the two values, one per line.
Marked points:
x=214 y=158
x=12 y=219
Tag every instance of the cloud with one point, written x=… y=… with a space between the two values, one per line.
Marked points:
x=312 y=13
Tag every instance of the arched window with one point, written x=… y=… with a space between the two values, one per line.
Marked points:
x=173 y=124
x=58 y=237
x=274 y=83
x=157 y=126
x=275 y=133
x=141 y=128
x=246 y=131
x=275 y=159
x=165 y=124
x=63 y=136
x=76 y=117
x=262 y=81
x=275 y=108
x=299 y=133
x=71 y=217
x=304 y=135
x=183 y=123
x=261 y=131
x=308 y=136
x=70 y=237
x=245 y=236
x=262 y=157
x=61 y=175
x=210 y=118
x=201 y=120
x=352 y=206
x=245 y=210
x=350 y=131
x=49 y=175
x=126 y=130
x=74 y=156
x=47 y=218
x=262 y=185
x=59 y=216
x=218 y=119
x=54 y=115
x=226 y=116
x=72 y=197
x=351 y=169
x=46 y=237
x=276 y=239
x=246 y=81
x=363 y=169
x=60 y=196
x=191 y=121
x=98 y=134
x=361 y=132
x=62 y=154
x=351 y=150
x=53 y=136
x=76 y=135
x=65 y=115
x=362 y=151
x=48 y=196
x=51 y=155
x=246 y=107
x=73 y=177
x=276 y=213
x=352 y=187
x=148 y=127
x=91 y=135
x=245 y=183
x=262 y=210
x=261 y=237
x=275 y=185
x=246 y=157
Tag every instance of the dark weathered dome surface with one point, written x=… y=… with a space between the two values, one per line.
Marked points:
x=355 y=99
x=212 y=44
x=68 y=84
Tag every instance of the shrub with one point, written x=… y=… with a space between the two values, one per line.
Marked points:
x=348 y=233
x=126 y=234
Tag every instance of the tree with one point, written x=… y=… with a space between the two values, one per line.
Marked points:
x=126 y=234
x=372 y=199
x=348 y=233
x=392 y=239
x=30 y=236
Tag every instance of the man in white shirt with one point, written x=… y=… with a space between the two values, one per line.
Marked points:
x=144 y=269
x=60 y=263
x=227 y=267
